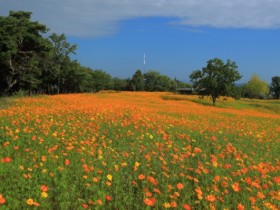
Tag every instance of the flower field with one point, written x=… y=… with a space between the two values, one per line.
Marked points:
x=136 y=151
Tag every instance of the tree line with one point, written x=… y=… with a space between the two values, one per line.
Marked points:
x=32 y=62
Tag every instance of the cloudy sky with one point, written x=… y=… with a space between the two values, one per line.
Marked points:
x=177 y=36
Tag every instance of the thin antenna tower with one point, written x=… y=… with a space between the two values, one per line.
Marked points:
x=144 y=62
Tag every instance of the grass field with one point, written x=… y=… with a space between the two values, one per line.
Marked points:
x=139 y=151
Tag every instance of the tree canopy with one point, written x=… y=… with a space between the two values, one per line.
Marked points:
x=137 y=81
x=256 y=88
x=275 y=87
x=216 y=79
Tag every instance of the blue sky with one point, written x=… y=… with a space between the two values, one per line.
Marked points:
x=177 y=36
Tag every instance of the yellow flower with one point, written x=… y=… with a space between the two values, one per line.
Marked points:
x=30 y=201
x=44 y=194
x=109 y=177
x=166 y=205
x=137 y=164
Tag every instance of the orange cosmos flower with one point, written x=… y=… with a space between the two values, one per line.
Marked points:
x=199 y=193
x=236 y=187
x=177 y=194
x=36 y=204
x=44 y=188
x=197 y=150
x=95 y=179
x=156 y=190
x=2 y=199
x=180 y=186
x=6 y=144
x=227 y=166
x=260 y=195
x=67 y=162
x=99 y=202
x=212 y=206
x=277 y=180
x=214 y=138
x=6 y=160
x=150 y=201
x=173 y=204
x=85 y=206
x=108 y=198
x=253 y=200
x=211 y=198
x=152 y=180
x=148 y=194
x=240 y=207
x=187 y=207
x=270 y=206
x=141 y=176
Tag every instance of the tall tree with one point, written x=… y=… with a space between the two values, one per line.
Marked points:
x=61 y=52
x=21 y=49
x=137 y=81
x=256 y=88
x=216 y=79
x=275 y=86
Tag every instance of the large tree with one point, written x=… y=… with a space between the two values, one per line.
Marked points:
x=216 y=79
x=22 y=48
x=275 y=87
x=256 y=88
x=60 y=57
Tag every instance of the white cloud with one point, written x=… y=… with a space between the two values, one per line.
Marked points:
x=101 y=17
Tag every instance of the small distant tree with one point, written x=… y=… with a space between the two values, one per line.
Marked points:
x=152 y=79
x=275 y=87
x=137 y=81
x=216 y=79
x=256 y=88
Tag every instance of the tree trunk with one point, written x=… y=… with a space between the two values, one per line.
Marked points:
x=214 y=100
x=10 y=81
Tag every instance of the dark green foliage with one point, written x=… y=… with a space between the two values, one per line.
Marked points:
x=31 y=63
x=101 y=80
x=137 y=81
x=275 y=87
x=216 y=79
x=22 y=48
x=154 y=81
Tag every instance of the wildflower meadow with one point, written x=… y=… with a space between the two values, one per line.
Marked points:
x=133 y=150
